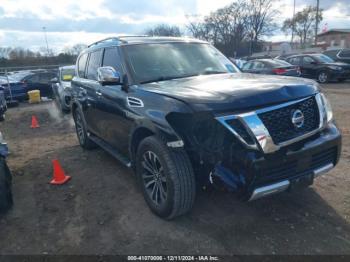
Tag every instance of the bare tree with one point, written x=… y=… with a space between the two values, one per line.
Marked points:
x=74 y=50
x=304 y=23
x=261 y=15
x=164 y=30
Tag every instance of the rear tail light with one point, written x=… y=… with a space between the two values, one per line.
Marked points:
x=279 y=71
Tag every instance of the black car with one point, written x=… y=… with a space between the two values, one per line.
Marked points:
x=37 y=80
x=271 y=67
x=181 y=114
x=61 y=87
x=13 y=89
x=339 y=55
x=320 y=67
x=5 y=179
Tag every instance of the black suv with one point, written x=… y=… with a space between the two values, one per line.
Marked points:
x=183 y=117
x=339 y=55
x=320 y=67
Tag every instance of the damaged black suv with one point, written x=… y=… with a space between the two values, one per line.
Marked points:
x=184 y=117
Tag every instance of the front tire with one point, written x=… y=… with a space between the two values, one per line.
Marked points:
x=166 y=178
x=323 y=77
x=80 y=127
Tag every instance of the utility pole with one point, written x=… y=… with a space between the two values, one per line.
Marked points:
x=293 y=26
x=47 y=44
x=317 y=20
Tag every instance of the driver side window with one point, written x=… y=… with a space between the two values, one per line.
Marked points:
x=307 y=60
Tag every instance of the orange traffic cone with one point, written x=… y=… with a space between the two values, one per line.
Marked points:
x=59 y=177
x=35 y=123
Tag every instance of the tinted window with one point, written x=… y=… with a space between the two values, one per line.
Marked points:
x=258 y=65
x=247 y=66
x=331 y=53
x=344 y=53
x=323 y=58
x=294 y=60
x=94 y=63
x=81 y=65
x=307 y=60
x=45 y=78
x=111 y=58
x=32 y=78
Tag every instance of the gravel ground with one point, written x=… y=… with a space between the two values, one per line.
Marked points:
x=101 y=209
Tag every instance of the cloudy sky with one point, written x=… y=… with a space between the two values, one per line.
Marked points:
x=76 y=21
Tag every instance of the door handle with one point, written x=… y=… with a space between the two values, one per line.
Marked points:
x=98 y=93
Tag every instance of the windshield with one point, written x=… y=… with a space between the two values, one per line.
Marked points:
x=158 y=62
x=67 y=74
x=323 y=58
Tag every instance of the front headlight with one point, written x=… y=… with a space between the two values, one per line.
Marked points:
x=327 y=108
x=338 y=68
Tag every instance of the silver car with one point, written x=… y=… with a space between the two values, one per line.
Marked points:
x=62 y=88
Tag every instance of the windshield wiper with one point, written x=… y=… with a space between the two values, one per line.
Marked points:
x=165 y=78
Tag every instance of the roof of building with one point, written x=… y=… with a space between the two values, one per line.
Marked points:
x=335 y=31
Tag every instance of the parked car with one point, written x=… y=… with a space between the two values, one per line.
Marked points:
x=271 y=67
x=320 y=67
x=3 y=104
x=37 y=80
x=17 y=89
x=5 y=178
x=339 y=55
x=61 y=86
x=180 y=113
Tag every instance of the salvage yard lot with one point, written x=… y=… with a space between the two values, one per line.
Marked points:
x=102 y=211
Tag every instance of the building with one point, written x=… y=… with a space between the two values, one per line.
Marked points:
x=335 y=38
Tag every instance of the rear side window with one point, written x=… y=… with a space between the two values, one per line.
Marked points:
x=111 y=58
x=344 y=54
x=82 y=65
x=94 y=63
x=258 y=65
x=294 y=61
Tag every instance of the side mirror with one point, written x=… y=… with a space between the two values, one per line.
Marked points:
x=107 y=75
x=54 y=80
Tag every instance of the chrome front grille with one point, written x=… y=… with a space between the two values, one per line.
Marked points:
x=268 y=129
x=278 y=122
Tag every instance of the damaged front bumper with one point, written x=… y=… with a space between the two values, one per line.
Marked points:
x=294 y=166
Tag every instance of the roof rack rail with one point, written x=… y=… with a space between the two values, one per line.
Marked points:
x=117 y=38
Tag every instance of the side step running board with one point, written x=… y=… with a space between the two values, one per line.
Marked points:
x=111 y=150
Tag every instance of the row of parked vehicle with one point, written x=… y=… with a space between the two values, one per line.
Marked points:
x=332 y=65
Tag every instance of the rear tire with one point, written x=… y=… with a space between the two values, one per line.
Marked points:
x=341 y=80
x=80 y=127
x=173 y=191
x=5 y=186
x=2 y=117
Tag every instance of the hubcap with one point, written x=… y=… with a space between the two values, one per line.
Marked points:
x=153 y=177
x=322 y=77
x=80 y=128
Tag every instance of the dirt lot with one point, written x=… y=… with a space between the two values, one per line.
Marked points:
x=102 y=211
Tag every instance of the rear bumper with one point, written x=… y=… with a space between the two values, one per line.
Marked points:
x=295 y=167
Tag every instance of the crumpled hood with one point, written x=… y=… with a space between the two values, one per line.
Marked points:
x=238 y=91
